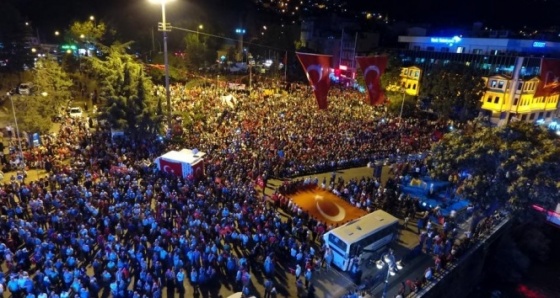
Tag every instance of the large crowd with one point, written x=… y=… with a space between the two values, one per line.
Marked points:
x=143 y=231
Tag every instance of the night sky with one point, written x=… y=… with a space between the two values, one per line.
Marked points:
x=58 y=14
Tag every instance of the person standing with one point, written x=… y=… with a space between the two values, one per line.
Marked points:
x=268 y=286
x=180 y=280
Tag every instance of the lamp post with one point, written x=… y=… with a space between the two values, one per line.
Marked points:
x=200 y=27
x=393 y=266
x=165 y=27
x=17 y=131
x=402 y=105
x=240 y=32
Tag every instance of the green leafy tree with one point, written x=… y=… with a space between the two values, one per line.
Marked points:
x=195 y=50
x=454 y=90
x=124 y=88
x=31 y=113
x=90 y=31
x=518 y=164
x=396 y=103
x=36 y=111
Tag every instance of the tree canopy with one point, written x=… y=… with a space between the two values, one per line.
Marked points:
x=129 y=104
x=454 y=90
x=517 y=164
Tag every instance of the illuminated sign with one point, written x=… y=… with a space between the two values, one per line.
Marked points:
x=454 y=39
x=68 y=47
x=343 y=67
x=539 y=44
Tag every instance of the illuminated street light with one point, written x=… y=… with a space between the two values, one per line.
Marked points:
x=164 y=27
x=33 y=50
x=392 y=267
x=82 y=36
x=56 y=33
x=91 y=18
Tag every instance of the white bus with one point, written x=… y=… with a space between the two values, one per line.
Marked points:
x=367 y=234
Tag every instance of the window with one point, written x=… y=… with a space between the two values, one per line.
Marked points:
x=405 y=71
x=416 y=48
x=431 y=49
x=408 y=86
x=489 y=99
x=515 y=101
x=520 y=86
x=477 y=51
x=416 y=73
x=501 y=84
x=493 y=83
x=497 y=99
x=524 y=117
x=460 y=50
x=548 y=114
x=355 y=248
x=532 y=117
x=414 y=87
x=337 y=243
x=541 y=115
x=445 y=49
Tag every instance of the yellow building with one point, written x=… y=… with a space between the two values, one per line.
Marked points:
x=410 y=80
x=505 y=104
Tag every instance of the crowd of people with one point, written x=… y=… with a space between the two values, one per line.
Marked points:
x=144 y=232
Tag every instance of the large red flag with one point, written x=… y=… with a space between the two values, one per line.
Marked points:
x=550 y=78
x=373 y=67
x=317 y=70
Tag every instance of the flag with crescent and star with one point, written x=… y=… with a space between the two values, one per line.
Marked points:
x=317 y=68
x=373 y=67
x=549 y=83
x=171 y=167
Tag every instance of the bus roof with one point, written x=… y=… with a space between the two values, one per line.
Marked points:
x=363 y=226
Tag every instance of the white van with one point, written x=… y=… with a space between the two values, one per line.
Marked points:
x=25 y=88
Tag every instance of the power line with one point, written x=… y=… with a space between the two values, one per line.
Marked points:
x=228 y=38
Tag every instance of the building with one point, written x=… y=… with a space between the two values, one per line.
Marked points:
x=511 y=68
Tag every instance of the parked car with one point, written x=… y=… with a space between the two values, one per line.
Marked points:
x=25 y=88
x=75 y=112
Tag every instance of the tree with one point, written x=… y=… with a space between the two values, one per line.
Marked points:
x=395 y=103
x=196 y=51
x=124 y=88
x=31 y=113
x=454 y=90
x=36 y=111
x=517 y=164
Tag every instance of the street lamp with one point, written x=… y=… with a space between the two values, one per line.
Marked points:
x=393 y=266
x=165 y=27
x=200 y=27
x=240 y=32
x=92 y=18
x=56 y=33
x=402 y=105
x=17 y=131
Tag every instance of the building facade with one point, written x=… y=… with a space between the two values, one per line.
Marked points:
x=511 y=69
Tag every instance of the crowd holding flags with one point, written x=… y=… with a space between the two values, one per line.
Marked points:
x=317 y=69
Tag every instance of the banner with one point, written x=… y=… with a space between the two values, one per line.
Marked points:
x=316 y=69
x=373 y=67
x=171 y=167
x=550 y=78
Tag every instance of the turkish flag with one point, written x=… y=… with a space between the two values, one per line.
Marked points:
x=373 y=67
x=550 y=78
x=167 y=166
x=316 y=69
